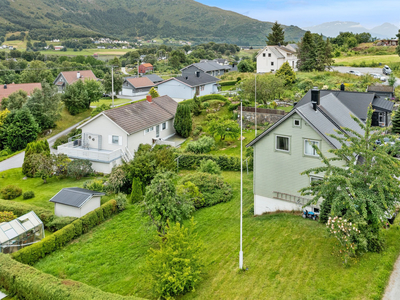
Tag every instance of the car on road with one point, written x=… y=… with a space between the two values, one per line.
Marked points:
x=378 y=76
x=353 y=72
x=386 y=70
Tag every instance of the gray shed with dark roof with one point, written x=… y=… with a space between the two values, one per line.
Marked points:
x=75 y=202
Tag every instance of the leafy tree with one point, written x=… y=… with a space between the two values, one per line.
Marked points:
x=269 y=87
x=3 y=115
x=177 y=58
x=15 y=100
x=76 y=98
x=118 y=82
x=398 y=47
x=175 y=266
x=35 y=147
x=307 y=57
x=94 y=89
x=161 y=202
x=45 y=105
x=391 y=79
x=61 y=162
x=42 y=165
x=183 y=121
x=277 y=35
x=79 y=168
x=36 y=72
x=196 y=106
x=115 y=62
x=351 y=42
x=19 y=129
x=287 y=73
x=154 y=93
x=116 y=180
x=365 y=189
x=246 y=66
x=224 y=128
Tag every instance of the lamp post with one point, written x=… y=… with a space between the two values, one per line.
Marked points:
x=241 y=185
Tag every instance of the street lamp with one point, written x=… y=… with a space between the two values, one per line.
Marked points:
x=241 y=185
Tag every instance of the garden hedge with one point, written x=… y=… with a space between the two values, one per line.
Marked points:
x=19 y=209
x=190 y=102
x=227 y=82
x=30 y=255
x=190 y=161
x=26 y=282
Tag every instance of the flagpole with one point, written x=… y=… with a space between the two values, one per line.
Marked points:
x=255 y=101
x=241 y=185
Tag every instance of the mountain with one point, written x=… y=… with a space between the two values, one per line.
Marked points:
x=128 y=19
x=332 y=29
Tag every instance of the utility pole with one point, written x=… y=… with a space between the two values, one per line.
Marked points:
x=112 y=85
x=241 y=185
x=255 y=101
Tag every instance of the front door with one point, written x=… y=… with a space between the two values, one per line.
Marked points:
x=158 y=131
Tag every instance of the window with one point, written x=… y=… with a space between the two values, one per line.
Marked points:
x=272 y=70
x=115 y=139
x=164 y=126
x=149 y=129
x=272 y=63
x=202 y=88
x=308 y=147
x=282 y=143
x=263 y=54
x=269 y=54
x=315 y=178
x=297 y=123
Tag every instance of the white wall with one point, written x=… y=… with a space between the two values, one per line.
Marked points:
x=62 y=210
x=265 y=204
x=264 y=63
x=105 y=168
x=90 y=205
x=209 y=89
x=176 y=89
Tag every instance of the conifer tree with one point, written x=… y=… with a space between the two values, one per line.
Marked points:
x=306 y=53
x=196 y=106
x=183 y=120
x=287 y=73
x=396 y=121
x=277 y=36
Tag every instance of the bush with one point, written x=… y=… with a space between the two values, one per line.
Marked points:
x=28 y=195
x=99 y=109
x=30 y=255
x=94 y=185
x=60 y=141
x=212 y=187
x=227 y=82
x=175 y=266
x=37 y=147
x=233 y=106
x=59 y=222
x=137 y=190
x=203 y=145
x=213 y=97
x=10 y=192
x=121 y=202
x=188 y=161
x=209 y=166
x=79 y=168
x=7 y=216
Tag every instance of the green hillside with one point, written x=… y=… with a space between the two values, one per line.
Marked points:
x=129 y=19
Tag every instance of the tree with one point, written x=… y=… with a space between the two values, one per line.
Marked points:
x=196 y=106
x=391 y=79
x=176 y=265
x=183 y=121
x=307 y=57
x=365 y=189
x=269 y=87
x=19 y=129
x=42 y=166
x=76 y=98
x=3 y=115
x=286 y=73
x=224 y=128
x=36 y=72
x=137 y=190
x=398 y=47
x=118 y=82
x=153 y=92
x=45 y=105
x=161 y=202
x=36 y=147
x=277 y=35
x=115 y=62
x=396 y=122
x=79 y=168
x=15 y=100
x=246 y=66
x=94 y=89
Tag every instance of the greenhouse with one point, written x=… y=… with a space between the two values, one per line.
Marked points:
x=21 y=232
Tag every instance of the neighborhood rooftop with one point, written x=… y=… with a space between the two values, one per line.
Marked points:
x=208 y=66
x=75 y=197
x=140 y=82
x=7 y=89
x=72 y=76
x=195 y=80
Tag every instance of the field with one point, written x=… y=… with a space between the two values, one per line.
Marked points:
x=100 y=52
x=286 y=257
x=368 y=59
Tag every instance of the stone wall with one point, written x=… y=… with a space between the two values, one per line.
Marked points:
x=263 y=115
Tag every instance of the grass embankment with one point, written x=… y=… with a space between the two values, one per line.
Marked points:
x=367 y=59
x=67 y=120
x=287 y=257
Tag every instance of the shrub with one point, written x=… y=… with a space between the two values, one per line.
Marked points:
x=209 y=166
x=7 y=216
x=121 y=202
x=10 y=192
x=94 y=185
x=59 y=222
x=212 y=187
x=213 y=97
x=37 y=147
x=203 y=145
x=189 y=161
x=137 y=190
x=60 y=141
x=28 y=195
x=183 y=121
x=99 y=109
x=175 y=266
x=233 y=106
x=116 y=180
x=206 y=105
x=227 y=82
x=79 y=168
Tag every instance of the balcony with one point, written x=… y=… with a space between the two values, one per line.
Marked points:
x=74 y=149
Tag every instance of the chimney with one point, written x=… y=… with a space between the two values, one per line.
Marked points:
x=5 y=86
x=148 y=98
x=78 y=75
x=315 y=98
x=342 y=87
x=198 y=73
x=186 y=78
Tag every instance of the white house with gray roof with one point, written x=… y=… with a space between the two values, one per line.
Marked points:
x=114 y=135
x=271 y=58
x=284 y=151
x=187 y=86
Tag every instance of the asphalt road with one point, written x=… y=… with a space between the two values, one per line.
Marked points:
x=366 y=71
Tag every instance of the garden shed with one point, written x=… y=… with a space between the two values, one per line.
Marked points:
x=75 y=202
x=21 y=232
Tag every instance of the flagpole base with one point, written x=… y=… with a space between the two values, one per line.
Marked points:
x=240 y=259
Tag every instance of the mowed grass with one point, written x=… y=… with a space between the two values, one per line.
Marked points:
x=108 y=101
x=43 y=192
x=383 y=59
x=287 y=257
x=67 y=120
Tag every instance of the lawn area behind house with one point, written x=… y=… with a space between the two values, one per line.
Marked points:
x=108 y=101
x=287 y=257
x=368 y=59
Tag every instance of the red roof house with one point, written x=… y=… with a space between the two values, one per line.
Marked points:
x=7 y=89
x=145 y=68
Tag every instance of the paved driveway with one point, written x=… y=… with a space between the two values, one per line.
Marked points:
x=366 y=71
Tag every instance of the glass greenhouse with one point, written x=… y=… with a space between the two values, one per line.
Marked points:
x=21 y=232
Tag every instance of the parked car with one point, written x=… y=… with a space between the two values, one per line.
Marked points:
x=378 y=76
x=386 y=70
x=353 y=72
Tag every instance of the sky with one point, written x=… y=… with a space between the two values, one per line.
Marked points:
x=304 y=13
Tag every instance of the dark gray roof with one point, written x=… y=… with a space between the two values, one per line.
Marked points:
x=382 y=104
x=153 y=77
x=276 y=52
x=208 y=66
x=75 y=197
x=331 y=115
x=141 y=115
x=193 y=80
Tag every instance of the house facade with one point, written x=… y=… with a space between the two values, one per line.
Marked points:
x=209 y=67
x=114 y=135
x=7 y=89
x=285 y=150
x=145 y=68
x=187 y=86
x=271 y=58
x=136 y=86
x=65 y=78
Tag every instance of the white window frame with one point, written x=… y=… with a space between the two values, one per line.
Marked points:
x=276 y=143
x=149 y=130
x=294 y=123
x=166 y=126
x=304 y=147
x=113 y=141
x=315 y=178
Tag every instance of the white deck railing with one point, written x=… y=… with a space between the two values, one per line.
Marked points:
x=92 y=154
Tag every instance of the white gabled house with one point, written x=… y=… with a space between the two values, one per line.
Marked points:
x=271 y=58
x=114 y=135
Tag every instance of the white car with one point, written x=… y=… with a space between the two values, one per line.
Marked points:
x=378 y=76
x=353 y=72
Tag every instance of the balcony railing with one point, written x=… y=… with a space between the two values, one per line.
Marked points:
x=89 y=154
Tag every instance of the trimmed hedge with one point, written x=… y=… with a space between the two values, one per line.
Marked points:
x=190 y=102
x=226 y=163
x=30 y=255
x=19 y=209
x=227 y=82
x=26 y=282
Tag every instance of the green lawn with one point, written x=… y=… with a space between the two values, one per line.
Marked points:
x=287 y=257
x=67 y=120
x=349 y=60
x=100 y=52
x=108 y=101
x=43 y=192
